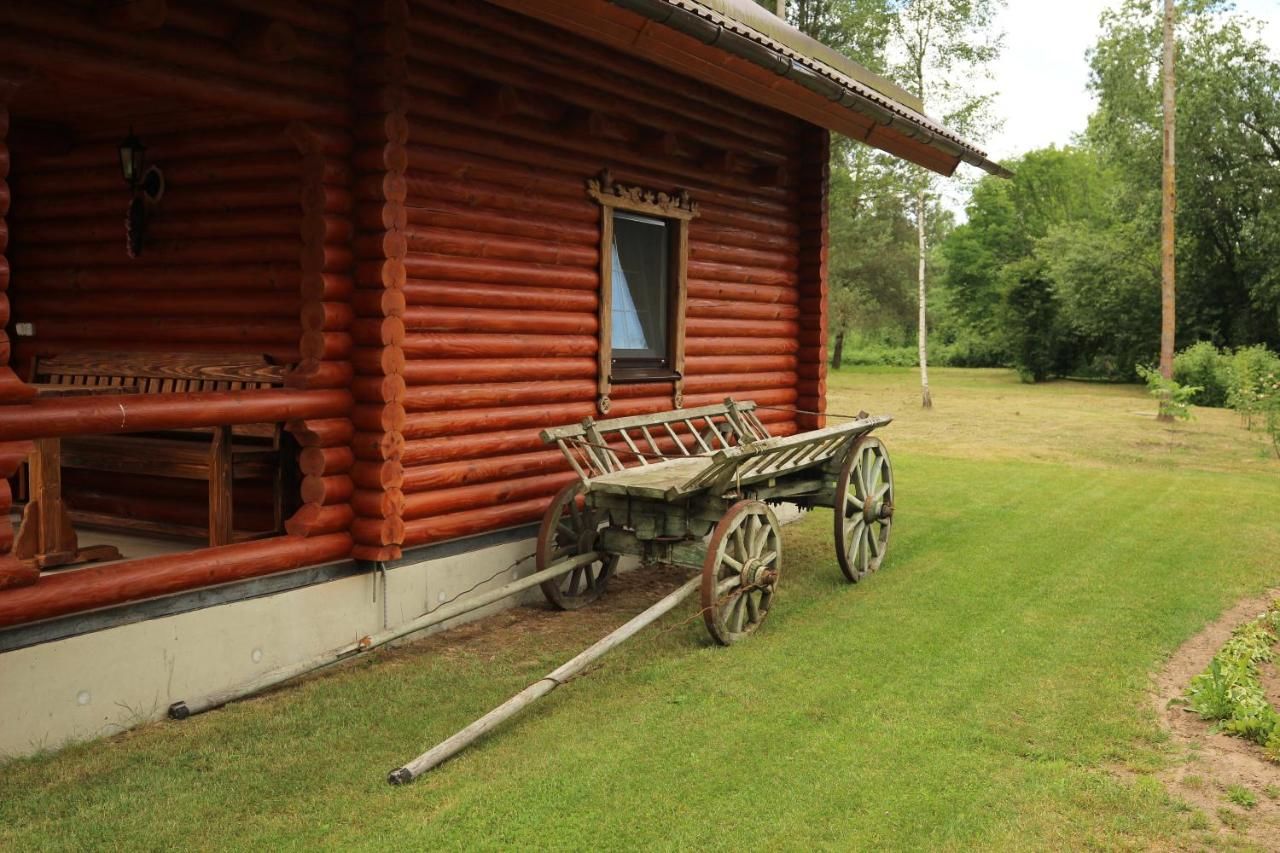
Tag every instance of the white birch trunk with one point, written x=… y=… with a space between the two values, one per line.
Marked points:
x=926 y=399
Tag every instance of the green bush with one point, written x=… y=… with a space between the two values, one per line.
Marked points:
x=1255 y=386
x=1209 y=369
x=880 y=354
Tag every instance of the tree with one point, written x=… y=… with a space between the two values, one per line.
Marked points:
x=1228 y=122
x=1168 y=205
x=946 y=47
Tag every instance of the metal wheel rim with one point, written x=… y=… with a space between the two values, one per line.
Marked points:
x=740 y=573
x=566 y=531
x=861 y=541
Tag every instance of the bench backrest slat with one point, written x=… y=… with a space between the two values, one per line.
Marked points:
x=161 y=372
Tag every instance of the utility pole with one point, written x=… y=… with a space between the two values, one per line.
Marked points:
x=1168 y=207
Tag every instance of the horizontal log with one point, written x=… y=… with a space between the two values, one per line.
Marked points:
x=321 y=432
x=500 y=272
x=730 y=345
x=326 y=346
x=435 y=398
x=735 y=383
x=706 y=364
x=132 y=303
x=313 y=520
x=53 y=417
x=378 y=531
x=326 y=491
x=456 y=371
x=375 y=417
x=244 y=335
x=448 y=241
x=60 y=593
x=378 y=360
x=377 y=446
x=378 y=302
x=325 y=461
x=158 y=253
x=381 y=272
x=469 y=472
x=741 y=310
x=436 y=424
x=450 y=448
x=444 y=501
x=420 y=345
x=441 y=319
x=378 y=475
x=531 y=226
x=281 y=276
x=474 y=295
x=377 y=503
x=711 y=327
x=749 y=293
x=446 y=526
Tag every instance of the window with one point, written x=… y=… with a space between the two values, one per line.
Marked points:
x=640 y=295
x=643 y=252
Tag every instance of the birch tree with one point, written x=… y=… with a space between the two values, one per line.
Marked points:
x=943 y=50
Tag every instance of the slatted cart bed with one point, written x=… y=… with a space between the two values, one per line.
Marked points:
x=656 y=486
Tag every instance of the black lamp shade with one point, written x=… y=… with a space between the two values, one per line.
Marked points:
x=133 y=156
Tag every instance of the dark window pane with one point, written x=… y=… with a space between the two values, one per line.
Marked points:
x=639 y=287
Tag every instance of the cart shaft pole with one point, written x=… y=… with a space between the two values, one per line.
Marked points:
x=446 y=749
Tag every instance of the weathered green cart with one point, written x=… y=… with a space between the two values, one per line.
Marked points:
x=654 y=487
x=692 y=472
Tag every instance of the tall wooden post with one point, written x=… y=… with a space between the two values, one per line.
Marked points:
x=1169 y=205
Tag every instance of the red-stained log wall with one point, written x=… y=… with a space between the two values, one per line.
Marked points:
x=507 y=119
x=12 y=572
x=244 y=106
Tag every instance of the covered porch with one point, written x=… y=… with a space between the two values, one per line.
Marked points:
x=175 y=283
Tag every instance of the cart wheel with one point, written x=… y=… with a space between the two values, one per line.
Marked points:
x=567 y=530
x=863 y=508
x=740 y=574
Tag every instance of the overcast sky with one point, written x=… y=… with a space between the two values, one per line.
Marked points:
x=1043 y=76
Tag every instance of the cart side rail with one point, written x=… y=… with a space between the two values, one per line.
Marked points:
x=732 y=467
x=595 y=448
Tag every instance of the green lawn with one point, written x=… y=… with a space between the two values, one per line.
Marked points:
x=987 y=688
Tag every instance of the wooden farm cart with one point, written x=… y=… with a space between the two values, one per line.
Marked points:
x=654 y=487
x=692 y=488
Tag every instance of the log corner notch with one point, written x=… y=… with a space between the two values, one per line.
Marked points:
x=12 y=389
x=381 y=117
x=326 y=284
x=811 y=366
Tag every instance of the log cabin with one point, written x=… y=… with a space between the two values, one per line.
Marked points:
x=289 y=288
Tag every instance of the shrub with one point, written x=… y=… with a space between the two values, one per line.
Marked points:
x=1255 y=372
x=1174 y=399
x=1207 y=367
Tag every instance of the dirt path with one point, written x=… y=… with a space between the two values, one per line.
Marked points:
x=1215 y=764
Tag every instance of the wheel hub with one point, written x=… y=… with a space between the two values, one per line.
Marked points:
x=757 y=574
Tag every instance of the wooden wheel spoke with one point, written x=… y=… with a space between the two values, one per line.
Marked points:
x=731 y=563
x=753 y=608
x=873 y=540
x=768 y=559
x=726 y=586
x=738 y=613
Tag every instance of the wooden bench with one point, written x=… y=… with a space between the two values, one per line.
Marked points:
x=220 y=455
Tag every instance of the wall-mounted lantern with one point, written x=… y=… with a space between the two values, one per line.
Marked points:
x=147 y=186
x=133 y=159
